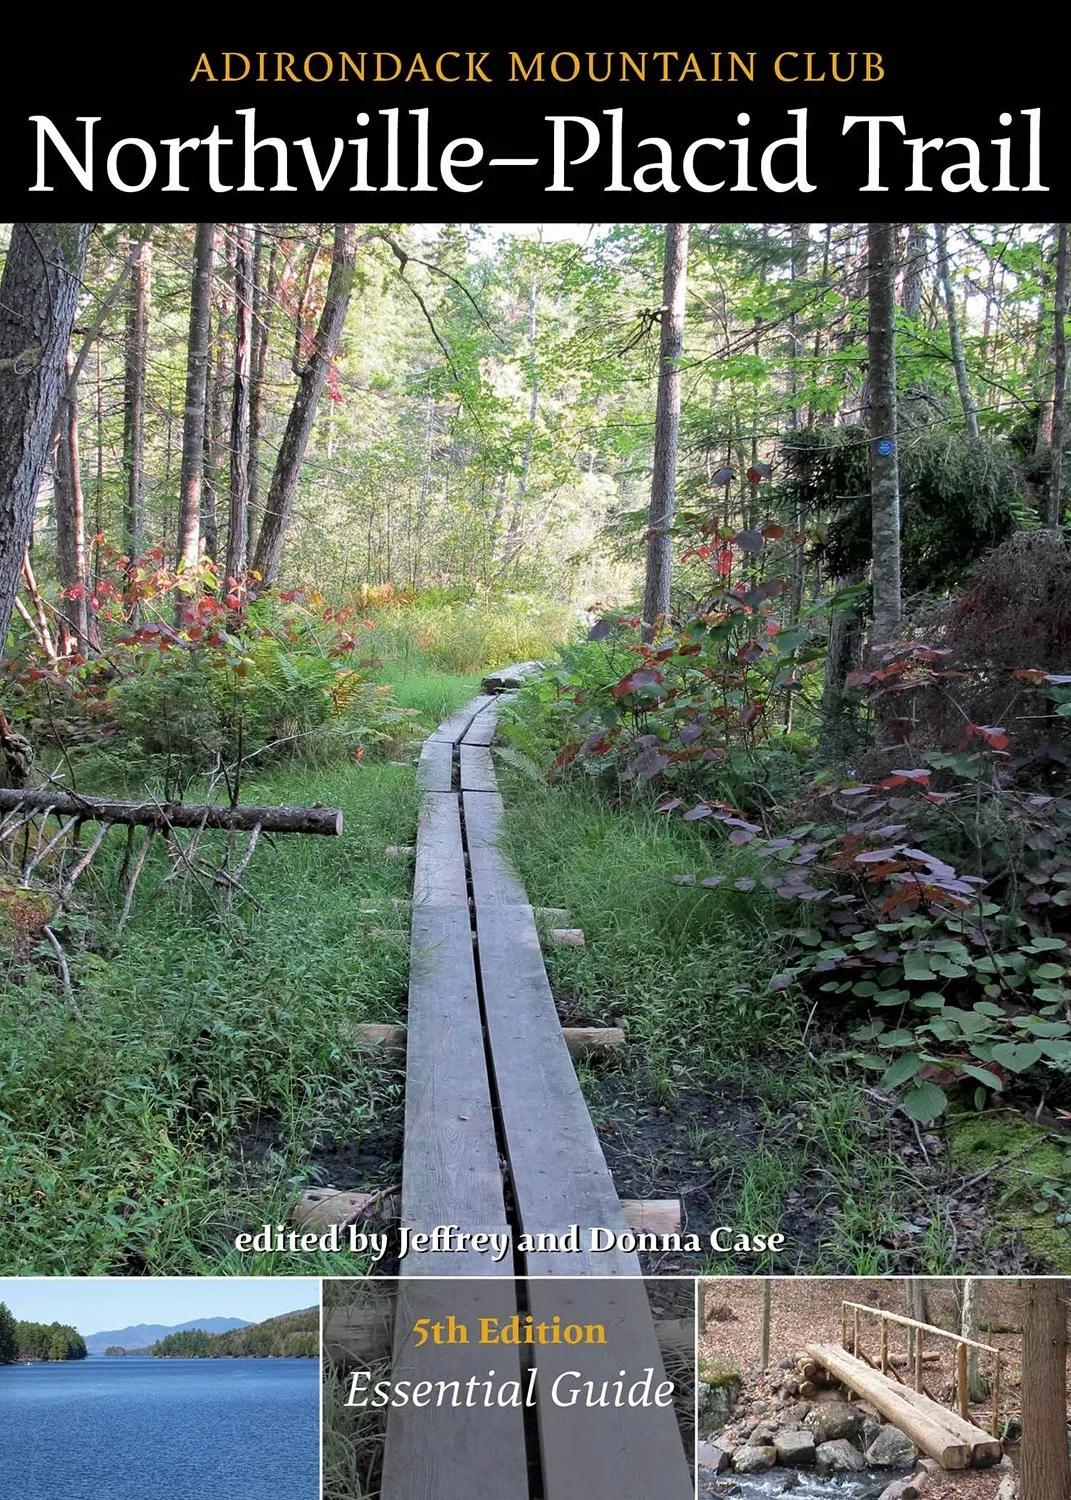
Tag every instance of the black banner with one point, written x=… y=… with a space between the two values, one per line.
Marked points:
x=689 y=120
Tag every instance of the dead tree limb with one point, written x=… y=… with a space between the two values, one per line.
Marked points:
x=321 y=820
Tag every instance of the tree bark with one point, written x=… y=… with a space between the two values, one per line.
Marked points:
x=915 y=263
x=1059 y=386
x=955 y=337
x=977 y=1387
x=916 y=1308
x=263 y=307
x=70 y=529
x=667 y=424
x=884 y=463
x=193 y=425
x=279 y=506
x=239 y=485
x=246 y=816
x=1045 y=1473
x=38 y=298
x=137 y=361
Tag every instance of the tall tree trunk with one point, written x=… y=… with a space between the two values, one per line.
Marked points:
x=38 y=298
x=955 y=337
x=1059 y=386
x=136 y=360
x=884 y=462
x=767 y=1299
x=193 y=426
x=977 y=1387
x=667 y=424
x=1045 y=1473
x=801 y=249
x=239 y=480
x=70 y=528
x=263 y=308
x=1042 y=360
x=914 y=265
x=916 y=1308
x=279 y=506
x=216 y=443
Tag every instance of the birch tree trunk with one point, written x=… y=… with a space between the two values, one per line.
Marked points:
x=667 y=424
x=38 y=298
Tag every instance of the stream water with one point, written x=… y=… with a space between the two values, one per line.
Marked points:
x=801 y=1484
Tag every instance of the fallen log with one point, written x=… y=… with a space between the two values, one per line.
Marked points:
x=246 y=816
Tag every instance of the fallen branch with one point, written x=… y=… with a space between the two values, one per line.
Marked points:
x=133 y=880
x=322 y=820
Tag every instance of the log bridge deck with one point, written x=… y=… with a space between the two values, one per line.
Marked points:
x=954 y=1441
x=498 y=1138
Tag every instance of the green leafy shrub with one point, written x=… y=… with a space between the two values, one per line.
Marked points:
x=282 y=675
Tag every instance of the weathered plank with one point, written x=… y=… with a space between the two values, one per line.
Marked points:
x=436 y=766
x=559 y=1173
x=482 y=729
x=439 y=877
x=606 y=1450
x=450 y=1165
x=442 y=1451
x=494 y=880
x=454 y=727
x=477 y=769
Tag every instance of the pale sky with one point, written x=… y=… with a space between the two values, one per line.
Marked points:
x=98 y=1304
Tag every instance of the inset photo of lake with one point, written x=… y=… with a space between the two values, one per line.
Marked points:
x=197 y=1388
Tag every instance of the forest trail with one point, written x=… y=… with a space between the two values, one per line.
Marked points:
x=489 y=1077
x=498 y=1139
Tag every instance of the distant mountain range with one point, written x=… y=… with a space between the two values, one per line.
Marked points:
x=144 y=1335
x=294 y=1335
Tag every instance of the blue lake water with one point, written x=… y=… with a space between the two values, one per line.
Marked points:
x=132 y=1428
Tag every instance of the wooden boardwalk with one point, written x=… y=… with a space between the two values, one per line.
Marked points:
x=498 y=1139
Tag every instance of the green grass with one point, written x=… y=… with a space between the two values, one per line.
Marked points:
x=120 y=1140
x=352 y=1435
x=470 y=637
x=435 y=695
x=675 y=963
x=685 y=969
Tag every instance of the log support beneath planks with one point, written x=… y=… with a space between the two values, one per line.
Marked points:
x=582 y=1041
x=566 y=937
x=652 y=1215
x=319 y=1208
